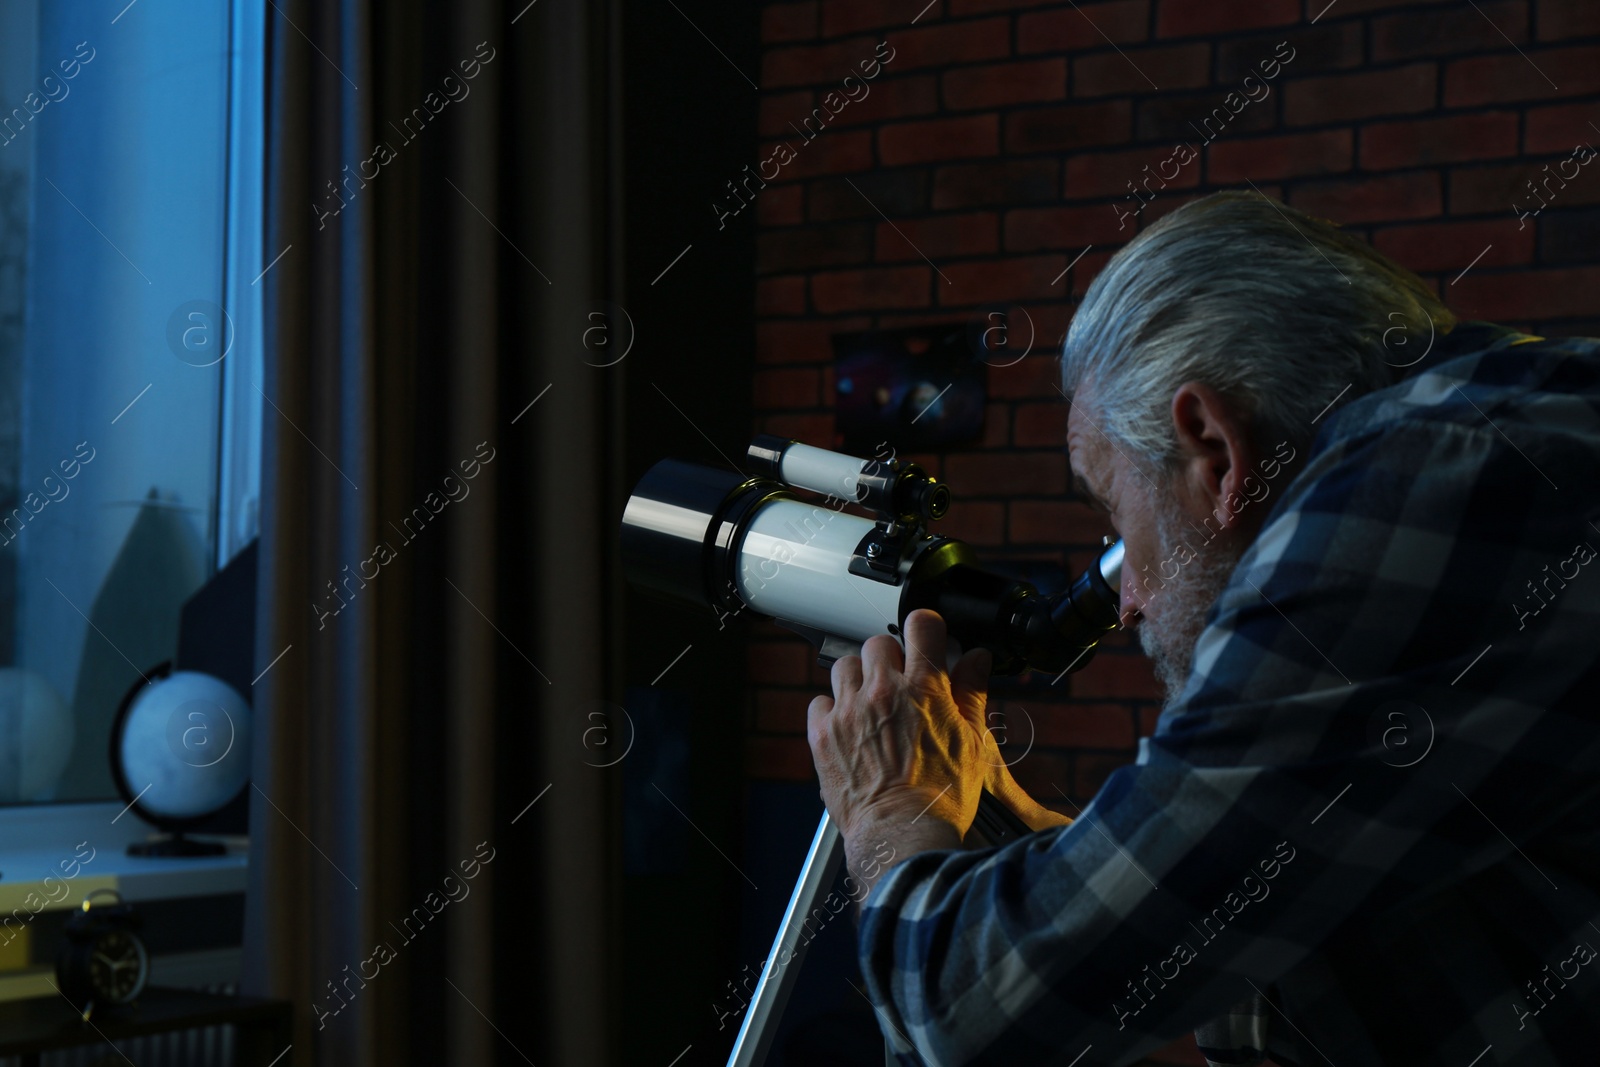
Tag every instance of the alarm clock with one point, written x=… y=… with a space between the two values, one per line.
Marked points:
x=102 y=964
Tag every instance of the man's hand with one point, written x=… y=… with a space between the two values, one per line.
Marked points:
x=998 y=780
x=901 y=749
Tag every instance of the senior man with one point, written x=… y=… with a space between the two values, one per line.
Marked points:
x=1358 y=541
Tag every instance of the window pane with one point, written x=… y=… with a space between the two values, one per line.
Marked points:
x=113 y=173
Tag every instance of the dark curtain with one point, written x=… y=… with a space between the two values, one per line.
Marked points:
x=433 y=586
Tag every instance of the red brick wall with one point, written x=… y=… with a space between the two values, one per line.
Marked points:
x=998 y=142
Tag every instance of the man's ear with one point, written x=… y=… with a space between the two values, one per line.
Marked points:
x=1215 y=454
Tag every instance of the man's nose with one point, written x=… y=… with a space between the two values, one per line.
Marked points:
x=1130 y=602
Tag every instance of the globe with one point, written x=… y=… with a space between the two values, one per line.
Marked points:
x=183 y=748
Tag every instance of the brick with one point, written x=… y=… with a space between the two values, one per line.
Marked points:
x=1119 y=173
x=996 y=426
x=1192 y=18
x=1185 y=66
x=826 y=153
x=1561 y=19
x=1560 y=129
x=1055 y=522
x=892 y=98
x=813 y=429
x=782 y=711
x=1186 y=118
x=1016 y=278
x=938 y=238
x=1528 y=295
x=1315 y=49
x=1291 y=156
x=781 y=296
x=1404 y=196
x=1013 y=82
x=939 y=139
x=1451 y=246
x=1058 y=228
x=841 y=17
x=809 y=341
x=1007 y=183
x=939 y=46
x=779 y=109
x=1450 y=31
x=1512 y=189
x=1125 y=677
x=1348 y=97
x=1006 y=474
x=779 y=759
x=899 y=320
x=984 y=7
x=778 y=662
x=870 y=289
x=788 y=22
x=1569 y=237
x=974 y=522
x=1078 y=726
x=1036 y=376
x=1049 y=322
x=1428 y=142
x=1482 y=189
x=782 y=205
x=1346 y=8
x=894 y=192
x=817 y=64
x=1084 y=274
x=789 y=387
x=1068 y=28
x=1040 y=424
x=1068 y=128
x=1512 y=77
x=812 y=246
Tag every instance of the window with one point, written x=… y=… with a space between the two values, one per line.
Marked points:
x=130 y=411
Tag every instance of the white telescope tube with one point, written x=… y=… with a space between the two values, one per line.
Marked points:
x=794 y=564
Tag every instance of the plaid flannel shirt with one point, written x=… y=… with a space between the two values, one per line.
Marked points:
x=1366 y=832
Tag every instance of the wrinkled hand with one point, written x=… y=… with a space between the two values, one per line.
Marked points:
x=900 y=740
x=998 y=780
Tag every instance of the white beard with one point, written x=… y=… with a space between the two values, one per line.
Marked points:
x=1169 y=637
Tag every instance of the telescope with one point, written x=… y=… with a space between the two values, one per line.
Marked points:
x=737 y=541
x=733 y=542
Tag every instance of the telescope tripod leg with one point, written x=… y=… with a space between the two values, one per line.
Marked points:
x=781 y=970
x=995 y=823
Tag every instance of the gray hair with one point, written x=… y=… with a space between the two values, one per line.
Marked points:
x=1276 y=310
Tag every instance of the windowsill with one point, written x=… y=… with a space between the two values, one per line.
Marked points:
x=36 y=840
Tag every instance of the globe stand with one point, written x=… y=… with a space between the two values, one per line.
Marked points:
x=176 y=845
x=158 y=700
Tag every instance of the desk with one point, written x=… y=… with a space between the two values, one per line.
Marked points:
x=39 y=1024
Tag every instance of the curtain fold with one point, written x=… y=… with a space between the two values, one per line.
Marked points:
x=431 y=551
